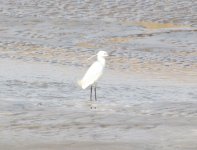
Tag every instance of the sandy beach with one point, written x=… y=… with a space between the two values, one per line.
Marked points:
x=147 y=97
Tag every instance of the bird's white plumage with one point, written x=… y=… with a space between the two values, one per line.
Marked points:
x=95 y=70
x=92 y=75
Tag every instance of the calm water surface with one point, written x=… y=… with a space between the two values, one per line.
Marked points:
x=147 y=96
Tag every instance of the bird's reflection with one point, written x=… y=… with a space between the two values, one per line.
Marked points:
x=93 y=105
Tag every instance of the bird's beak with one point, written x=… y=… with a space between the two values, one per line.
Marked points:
x=111 y=53
x=106 y=55
x=91 y=57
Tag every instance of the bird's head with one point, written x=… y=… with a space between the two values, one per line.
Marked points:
x=102 y=54
x=99 y=54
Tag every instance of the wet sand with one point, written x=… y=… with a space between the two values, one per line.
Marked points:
x=43 y=108
x=147 y=98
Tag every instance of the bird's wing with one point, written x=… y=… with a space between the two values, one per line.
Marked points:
x=92 y=75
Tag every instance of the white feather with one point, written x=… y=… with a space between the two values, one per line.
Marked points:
x=94 y=72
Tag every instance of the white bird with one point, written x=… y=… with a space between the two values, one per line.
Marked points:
x=94 y=73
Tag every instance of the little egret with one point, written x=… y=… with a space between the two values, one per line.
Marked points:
x=94 y=73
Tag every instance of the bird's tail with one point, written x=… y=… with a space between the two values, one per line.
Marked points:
x=81 y=84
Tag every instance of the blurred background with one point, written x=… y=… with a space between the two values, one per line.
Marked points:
x=147 y=95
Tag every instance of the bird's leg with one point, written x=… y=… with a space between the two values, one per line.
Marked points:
x=91 y=93
x=95 y=91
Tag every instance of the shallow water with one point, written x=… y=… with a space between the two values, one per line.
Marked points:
x=147 y=95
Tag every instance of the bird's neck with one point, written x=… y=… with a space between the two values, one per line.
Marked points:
x=101 y=60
